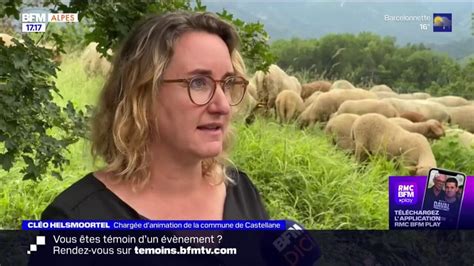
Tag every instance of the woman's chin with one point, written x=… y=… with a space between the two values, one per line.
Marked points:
x=211 y=150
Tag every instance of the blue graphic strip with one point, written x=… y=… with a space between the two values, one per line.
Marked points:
x=152 y=225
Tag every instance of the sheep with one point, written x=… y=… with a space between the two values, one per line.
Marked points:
x=430 y=110
x=340 y=128
x=94 y=63
x=421 y=95
x=288 y=104
x=412 y=96
x=312 y=98
x=275 y=81
x=327 y=103
x=385 y=94
x=366 y=106
x=405 y=96
x=400 y=105
x=431 y=129
x=257 y=80
x=342 y=84
x=463 y=116
x=7 y=39
x=252 y=89
x=255 y=89
x=375 y=134
x=271 y=82
x=381 y=88
x=465 y=138
x=247 y=107
x=292 y=83
x=309 y=88
x=450 y=100
x=413 y=116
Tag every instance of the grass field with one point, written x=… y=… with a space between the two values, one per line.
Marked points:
x=300 y=174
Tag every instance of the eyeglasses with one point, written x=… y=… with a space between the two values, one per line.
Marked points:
x=202 y=88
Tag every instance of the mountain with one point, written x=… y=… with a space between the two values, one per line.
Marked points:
x=312 y=19
x=458 y=50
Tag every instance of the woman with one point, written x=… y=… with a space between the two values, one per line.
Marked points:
x=162 y=127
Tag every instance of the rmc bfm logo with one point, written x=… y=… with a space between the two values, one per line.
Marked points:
x=406 y=193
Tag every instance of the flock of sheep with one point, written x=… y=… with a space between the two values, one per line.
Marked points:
x=363 y=121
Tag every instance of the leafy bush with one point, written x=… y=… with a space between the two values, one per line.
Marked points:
x=29 y=115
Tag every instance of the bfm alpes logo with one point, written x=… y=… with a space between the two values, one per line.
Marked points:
x=36 y=22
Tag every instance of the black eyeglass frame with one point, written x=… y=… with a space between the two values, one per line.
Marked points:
x=221 y=82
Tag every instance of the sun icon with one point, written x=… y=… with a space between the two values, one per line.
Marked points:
x=438 y=21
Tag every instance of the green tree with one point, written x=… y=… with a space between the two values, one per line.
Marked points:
x=367 y=59
x=32 y=126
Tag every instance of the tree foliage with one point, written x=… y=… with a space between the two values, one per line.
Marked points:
x=32 y=126
x=112 y=21
x=367 y=59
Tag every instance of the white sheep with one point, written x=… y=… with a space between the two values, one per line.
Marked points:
x=386 y=94
x=275 y=81
x=339 y=127
x=429 y=110
x=7 y=39
x=401 y=105
x=327 y=103
x=309 y=88
x=432 y=110
x=271 y=85
x=94 y=63
x=375 y=134
x=381 y=88
x=288 y=105
x=342 y=84
x=463 y=116
x=431 y=129
x=246 y=108
x=365 y=106
x=257 y=80
x=413 y=116
x=410 y=96
x=465 y=138
x=450 y=100
x=421 y=95
x=293 y=84
x=312 y=98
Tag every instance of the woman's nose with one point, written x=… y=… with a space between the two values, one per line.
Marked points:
x=219 y=102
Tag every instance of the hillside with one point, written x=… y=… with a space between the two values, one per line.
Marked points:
x=458 y=50
x=309 y=19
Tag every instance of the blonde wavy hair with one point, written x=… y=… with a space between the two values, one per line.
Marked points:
x=124 y=119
